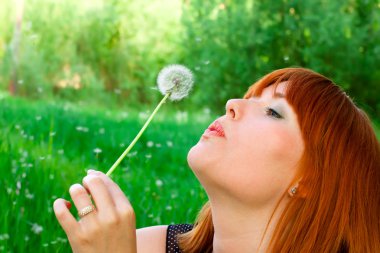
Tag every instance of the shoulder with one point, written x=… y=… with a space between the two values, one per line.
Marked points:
x=160 y=239
x=151 y=239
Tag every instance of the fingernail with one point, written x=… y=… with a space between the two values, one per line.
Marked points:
x=90 y=171
x=68 y=204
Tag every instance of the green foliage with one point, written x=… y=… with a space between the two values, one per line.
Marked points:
x=45 y=148
x=111 y=51
x=233 y=43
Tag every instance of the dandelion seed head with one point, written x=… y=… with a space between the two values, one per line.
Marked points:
x=176 y=80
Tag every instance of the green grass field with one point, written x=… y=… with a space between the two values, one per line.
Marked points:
x=45 y=148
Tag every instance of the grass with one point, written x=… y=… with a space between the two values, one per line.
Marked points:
x=45 y=148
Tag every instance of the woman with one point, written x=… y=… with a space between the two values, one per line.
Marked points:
x=294 y=166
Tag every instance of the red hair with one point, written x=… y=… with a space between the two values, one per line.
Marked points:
x=337 y=204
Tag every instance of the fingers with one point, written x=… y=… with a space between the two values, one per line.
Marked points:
x=64 y=217
x=120 y=200
x=80 y=197
x=101 y=195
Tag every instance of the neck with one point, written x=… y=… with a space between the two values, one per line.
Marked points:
x=239 y=228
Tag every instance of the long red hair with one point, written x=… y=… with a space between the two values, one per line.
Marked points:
x=337 y=204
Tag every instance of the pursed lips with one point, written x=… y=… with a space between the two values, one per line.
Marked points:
x=215 y=129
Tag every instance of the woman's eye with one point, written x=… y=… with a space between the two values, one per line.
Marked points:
x=272 y=113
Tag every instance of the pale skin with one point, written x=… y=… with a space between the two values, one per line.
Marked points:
x=244 y=174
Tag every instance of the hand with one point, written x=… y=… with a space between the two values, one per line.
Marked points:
x=109 y=228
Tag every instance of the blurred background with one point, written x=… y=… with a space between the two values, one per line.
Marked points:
x=77 y=81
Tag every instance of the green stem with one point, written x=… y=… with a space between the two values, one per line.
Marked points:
x=137 y=136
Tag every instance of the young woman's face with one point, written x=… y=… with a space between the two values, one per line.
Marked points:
x=255 y=161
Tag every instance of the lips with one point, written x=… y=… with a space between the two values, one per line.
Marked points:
x=215 y=129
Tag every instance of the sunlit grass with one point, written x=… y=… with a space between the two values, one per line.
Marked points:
x=45 y=148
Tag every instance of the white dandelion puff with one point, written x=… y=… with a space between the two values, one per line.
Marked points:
x=176 y=80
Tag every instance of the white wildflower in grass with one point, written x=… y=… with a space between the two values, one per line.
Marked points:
x=149 y=144
x=37 y=229
x=175 y=83
x=159 y=183
x=97 y=151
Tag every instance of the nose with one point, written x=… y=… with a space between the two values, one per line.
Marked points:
x=234 y=108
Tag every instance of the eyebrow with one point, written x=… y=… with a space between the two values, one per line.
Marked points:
x=279 y=95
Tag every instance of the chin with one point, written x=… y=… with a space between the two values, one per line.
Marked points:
x=200 y=158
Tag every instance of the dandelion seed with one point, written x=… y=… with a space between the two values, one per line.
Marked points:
x=158 y=145
x=18 y=185
x=168 y=208
x=37 y=229
x=169 y=144
x=102 y=131
x=42 y=158
x=38 y=118
x=122 y=145
x=150 y=144
x=148 y=156
x=52 y=133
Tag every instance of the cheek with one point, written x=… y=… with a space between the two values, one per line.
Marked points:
x=275 y=144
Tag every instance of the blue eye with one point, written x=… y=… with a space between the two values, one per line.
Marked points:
x=272 y=113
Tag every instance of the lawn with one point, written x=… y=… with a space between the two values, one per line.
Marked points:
x=46 y=147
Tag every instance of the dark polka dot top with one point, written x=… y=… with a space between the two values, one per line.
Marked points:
x=171 y=236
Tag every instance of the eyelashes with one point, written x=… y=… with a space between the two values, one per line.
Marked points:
x=272 y=113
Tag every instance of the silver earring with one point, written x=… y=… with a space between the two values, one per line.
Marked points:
x=293 y=191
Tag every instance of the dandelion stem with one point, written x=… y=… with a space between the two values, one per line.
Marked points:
x=137 y=136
